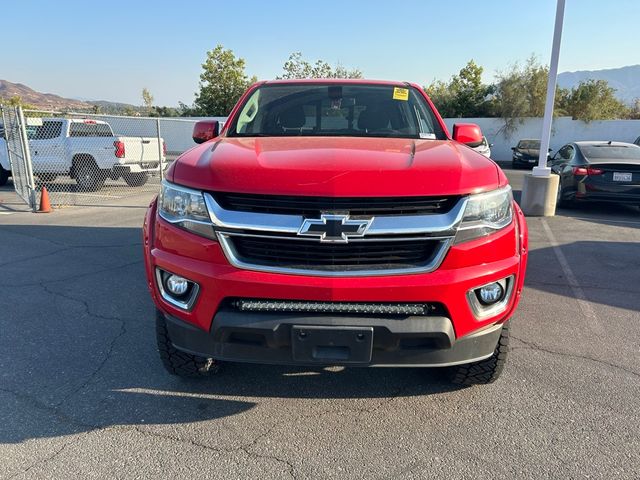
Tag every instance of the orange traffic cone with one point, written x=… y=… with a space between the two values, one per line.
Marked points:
x=45 y=204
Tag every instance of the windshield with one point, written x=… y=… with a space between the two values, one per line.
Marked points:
x=529 y=144
x=336 y=110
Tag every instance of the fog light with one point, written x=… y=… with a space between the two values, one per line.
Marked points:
x=491 y=299
x=490 y=294
x=176 y=290
x=177 y=285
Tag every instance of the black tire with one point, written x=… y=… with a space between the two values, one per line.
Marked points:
x=4 y=176
x=561 y=199
x=485 y=371
x=87 y=174
x=180 y=363
x=514 y=165
x=137 y=179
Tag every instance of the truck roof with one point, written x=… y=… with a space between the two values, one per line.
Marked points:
x=360 y=81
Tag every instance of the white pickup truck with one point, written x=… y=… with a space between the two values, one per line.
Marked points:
x=89 y=152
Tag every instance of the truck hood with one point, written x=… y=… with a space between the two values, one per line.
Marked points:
x=336 y=166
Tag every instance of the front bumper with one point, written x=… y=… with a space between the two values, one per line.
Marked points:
x=328 y=340
x=524 y=161
x=467 y=266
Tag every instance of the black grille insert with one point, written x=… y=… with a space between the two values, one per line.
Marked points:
x=357 y=255
x=312 y=206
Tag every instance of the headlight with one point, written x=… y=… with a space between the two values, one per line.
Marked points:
x=485 y=213
x=517 y=154
x=185 y=208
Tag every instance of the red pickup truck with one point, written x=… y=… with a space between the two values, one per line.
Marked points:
x=335 y=222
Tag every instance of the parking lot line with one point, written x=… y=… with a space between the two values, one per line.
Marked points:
x=585 y=306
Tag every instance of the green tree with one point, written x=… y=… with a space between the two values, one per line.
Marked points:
x=634 y=111
x=522 y=91
x=185 y=110
x=464 y=96
x=147 y=99
x=297 y=67
x=443 y=98
x=222 y=82
x=16 y=101
x=158 y=111
x=594 y=100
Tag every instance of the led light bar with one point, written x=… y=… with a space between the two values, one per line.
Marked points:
x=331 y=307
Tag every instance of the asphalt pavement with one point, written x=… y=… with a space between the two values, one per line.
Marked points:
x=83 y=394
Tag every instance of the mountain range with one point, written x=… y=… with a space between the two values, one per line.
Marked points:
x=50 y=101
x=626 y=80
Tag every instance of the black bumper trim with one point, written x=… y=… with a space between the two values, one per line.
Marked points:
x=267 y=338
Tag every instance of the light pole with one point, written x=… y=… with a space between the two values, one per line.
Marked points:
x=540 y=188
x=542 y=170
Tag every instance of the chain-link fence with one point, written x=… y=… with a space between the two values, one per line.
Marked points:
x=86 y=159
x=91 y=159
x=14 y=154
x=97 y=160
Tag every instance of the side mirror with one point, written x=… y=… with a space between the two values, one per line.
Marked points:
x=205 y=130
x=467 y=133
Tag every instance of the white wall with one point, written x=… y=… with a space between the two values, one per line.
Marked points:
x=177 y=131
x=564 y=130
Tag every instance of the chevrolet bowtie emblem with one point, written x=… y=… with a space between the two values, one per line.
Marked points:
x=334 y=228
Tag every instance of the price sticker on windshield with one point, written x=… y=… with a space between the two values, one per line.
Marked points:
x=400 y=93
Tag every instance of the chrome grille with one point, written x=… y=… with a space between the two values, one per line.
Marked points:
x=396 y=244
x=355 y=206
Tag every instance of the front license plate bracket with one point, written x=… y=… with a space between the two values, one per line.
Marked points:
x=326 y=344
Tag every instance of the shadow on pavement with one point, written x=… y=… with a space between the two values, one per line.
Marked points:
x=77 y=346
x=604 y=213
x=606 y=270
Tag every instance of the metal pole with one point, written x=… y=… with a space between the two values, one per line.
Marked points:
x=542 y=170
x=160 y=163
x=5 y=125
x=27 y=159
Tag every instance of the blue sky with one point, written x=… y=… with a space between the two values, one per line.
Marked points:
x=111 y=50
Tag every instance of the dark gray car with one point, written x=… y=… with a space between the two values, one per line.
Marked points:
x=525 y=153
x=598 y=171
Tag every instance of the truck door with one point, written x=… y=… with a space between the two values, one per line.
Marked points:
x=95 y=139
x=47 y=148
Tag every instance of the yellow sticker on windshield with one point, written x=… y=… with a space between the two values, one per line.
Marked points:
x=400 y=93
